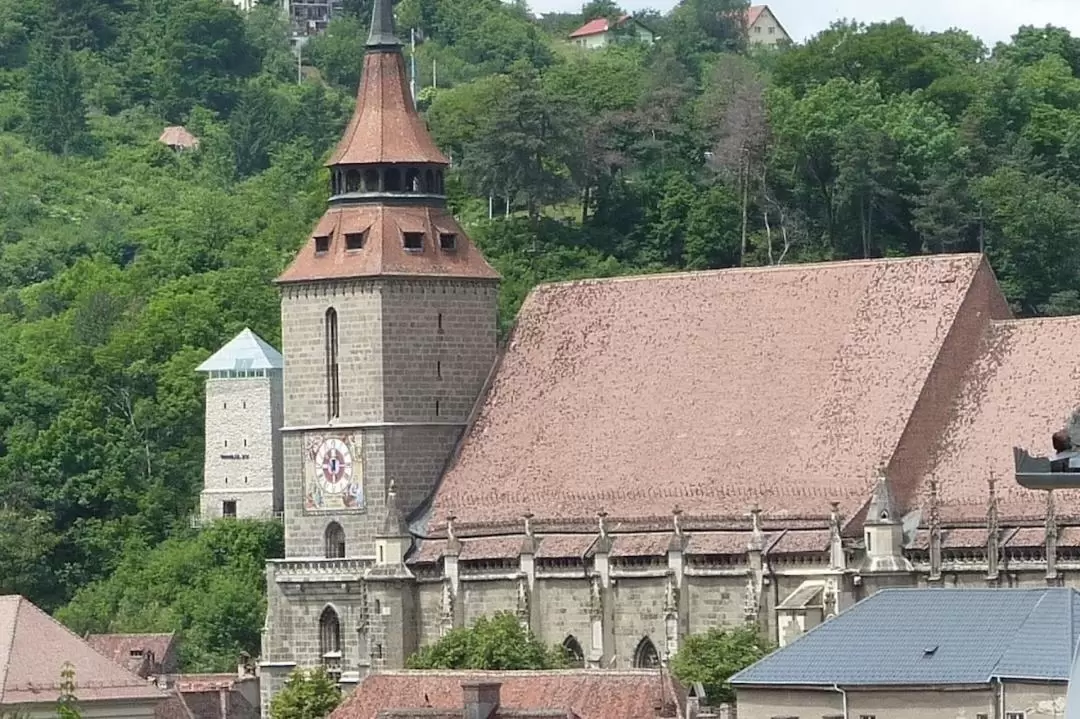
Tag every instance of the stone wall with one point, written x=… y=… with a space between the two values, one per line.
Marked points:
x=715 y=601
x=239 y=460
x=562 y=610
x=481 y=598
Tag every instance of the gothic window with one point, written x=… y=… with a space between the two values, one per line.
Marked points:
x=329 y=633
x=333 y=387
x=645 y=656
x=574 y=654
x=371 y=181
x=335 y=541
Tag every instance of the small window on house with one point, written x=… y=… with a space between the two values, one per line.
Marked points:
x=440 y=322
x=414 y=241
x=436 y=408
x=447 y=241
x=224 y=405
x=322 y=244
x=228 y=509
x=867 y=716
x=245 y=442
x=982 y=716
x=226 y=443
x=243 y=404
x=758 y=29
x=868 y=547
x=355 y=240
x=378 y=651
x=772 y=30
x=1015 y=715
x=378 y=607
x=245 y=480
x=380 y=560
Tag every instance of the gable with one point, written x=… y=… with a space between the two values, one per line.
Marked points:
x=706 y=392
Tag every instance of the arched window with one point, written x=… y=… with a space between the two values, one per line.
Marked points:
x=333 y=385
x=429 y=181
x=574 y=654
x=329 y=634
x=412 y=181
x=645 y=656
x=440 y=189
x=371 y=180
x=335 y=541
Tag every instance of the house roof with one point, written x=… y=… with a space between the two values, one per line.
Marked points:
x=754 y=12
x=178 y=136
x=245 y=352
x=34 y=648
x=597 y=26
x=786 y=386
x=174 y=707
x=120 y=647
x=589 y=694
x=1021 y=390
x=383 y=251
x=939 y=637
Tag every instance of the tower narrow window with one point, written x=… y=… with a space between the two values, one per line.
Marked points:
x=646 y=656
x=438 y=369
x=335 y=541
x=333 y=386
x=440 y=322
x=436 y=408
x=329 y=634
x=572 y=649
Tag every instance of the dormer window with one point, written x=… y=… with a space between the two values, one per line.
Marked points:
x=414 y=241
x=322 y=244
x=355 y=240
x=447 y=241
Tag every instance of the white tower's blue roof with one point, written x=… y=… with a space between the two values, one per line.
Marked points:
x=247 y=351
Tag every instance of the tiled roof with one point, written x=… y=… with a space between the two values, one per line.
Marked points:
x=1022 y=389
x=565 y=546
x=639 y=395
x=801 y=542
x=590 y=694
x=754 y=12
x=383 y=251
x=596 y=26
x=247 y=351
x=491 y=548
x=640 y=545
x=385 y=126
x=33 y=650
x=173 y=707
x=942 y=636
x=178 y=136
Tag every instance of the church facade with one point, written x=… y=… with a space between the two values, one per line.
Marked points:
x=645 y=458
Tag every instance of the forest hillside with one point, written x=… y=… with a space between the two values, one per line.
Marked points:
x=124 y=264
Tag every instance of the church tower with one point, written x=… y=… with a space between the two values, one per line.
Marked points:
x=388 y=317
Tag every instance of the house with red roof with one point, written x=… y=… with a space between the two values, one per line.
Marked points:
x=601 y=31
x=763 y=27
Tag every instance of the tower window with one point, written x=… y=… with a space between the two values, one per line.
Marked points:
x=378 y=607
x=440 y=322
x=329 y=633
x=414 y=241
x=436 y=408
x=228 y=509
x=371 y=181
x=333 y=386
x=447 y=241
x=392 y=180
x=322 y=244
x=438 y=370
x=355 y=240
x=335 y=541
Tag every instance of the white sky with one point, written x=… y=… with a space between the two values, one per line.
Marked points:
x=991 y=20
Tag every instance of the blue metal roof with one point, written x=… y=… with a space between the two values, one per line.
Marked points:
x=932 y=636
x=245 y=352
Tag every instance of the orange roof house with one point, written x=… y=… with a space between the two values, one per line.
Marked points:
x=34 y=649
x=599 y=31
x=763 y=27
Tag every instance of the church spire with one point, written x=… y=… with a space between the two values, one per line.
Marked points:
x=382 y=26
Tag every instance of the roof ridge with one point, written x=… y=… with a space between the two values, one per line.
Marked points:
x=1018 y=627
x=5 y=658
x=765 y=269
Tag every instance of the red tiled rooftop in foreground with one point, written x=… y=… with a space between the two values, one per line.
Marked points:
x=710 y=391
x=596 y=26
x=590 y=694
x=1021 y=390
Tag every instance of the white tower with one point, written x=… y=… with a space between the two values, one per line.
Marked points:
x=242 y=475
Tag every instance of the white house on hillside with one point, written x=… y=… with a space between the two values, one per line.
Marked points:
x=763 y=28
x=599 y=32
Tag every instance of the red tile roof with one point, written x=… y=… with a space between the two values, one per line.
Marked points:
x=384 y=251
x=596 y=26
x=385 y=127
x=590 y=694
x=174 y=707
x=710 y=391
x=565 y=546
x=33 y=650
x=1022 y=389
x=754 y=12
x=120 y=647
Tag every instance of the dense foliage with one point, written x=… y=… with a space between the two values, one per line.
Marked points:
x=712 y=657
x=309 y=694
x=498 y=642
x=123 y=264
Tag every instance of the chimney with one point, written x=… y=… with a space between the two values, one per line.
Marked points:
x=481 y=699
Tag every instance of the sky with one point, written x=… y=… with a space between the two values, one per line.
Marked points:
x=991 y=20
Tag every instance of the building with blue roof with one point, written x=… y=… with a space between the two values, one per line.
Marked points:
x=242 y=472
x=907 y=653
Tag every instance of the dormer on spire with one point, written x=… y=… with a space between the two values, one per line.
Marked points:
x=382 y=26
x=882 y=509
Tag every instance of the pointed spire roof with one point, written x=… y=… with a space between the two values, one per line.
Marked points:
x=882 y=509
x=394 y=524
x=245 y=352
x=385 y=127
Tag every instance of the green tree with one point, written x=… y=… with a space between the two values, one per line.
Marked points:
x=56 y=116
x=713 y=657
x=310 y=694
x=498 y=642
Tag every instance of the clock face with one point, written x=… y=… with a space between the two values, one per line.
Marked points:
x=334 y=466
x=333 y=474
